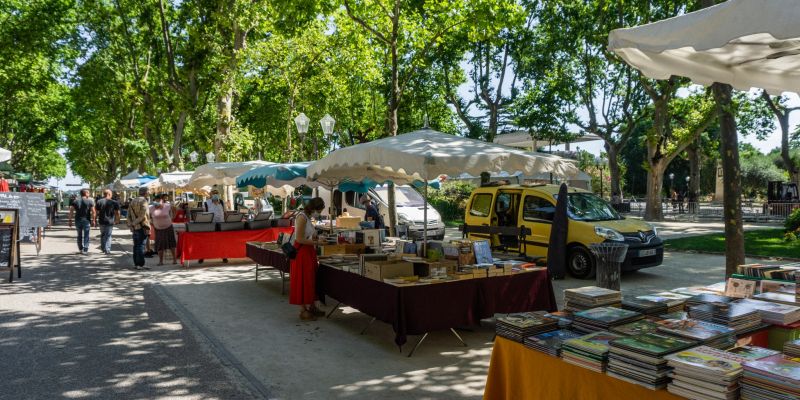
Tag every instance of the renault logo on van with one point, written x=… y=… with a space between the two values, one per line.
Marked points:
x=642 y=236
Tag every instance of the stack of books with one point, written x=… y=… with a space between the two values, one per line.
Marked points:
x=792 y=348
x=603 y=318
x=708 y=298
x=774 y=313
x=550 y=342
x=705 y=373
x=517 y=327
x=751 y=353
x=708 y=333
x=774 y=377
x=640 y=359
x=634 y=328
x=645 y=307
x=590 y=297
x=673 y=301
x=739 y=317
x=589 y=351
x=756 y=270
x=778 y=297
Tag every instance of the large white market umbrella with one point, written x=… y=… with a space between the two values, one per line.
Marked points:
x=425 y=155
x=5 y=155
x=744 y=43
x=174 y=180
x=221 y=173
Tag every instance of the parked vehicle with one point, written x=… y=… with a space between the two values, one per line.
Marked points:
x=409 y=205
x=591 y=220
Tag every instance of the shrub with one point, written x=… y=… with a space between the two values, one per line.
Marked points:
x=792 y=222
x=789 y=237
x=451 y=199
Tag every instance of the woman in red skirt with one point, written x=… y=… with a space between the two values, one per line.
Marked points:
x=303 y=270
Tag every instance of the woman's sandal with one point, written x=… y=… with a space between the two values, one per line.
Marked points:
x=307 y=316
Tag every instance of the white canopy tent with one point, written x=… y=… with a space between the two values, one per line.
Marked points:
x=426 y=154
x=744 y=43
x=220 y=173
x=174 y=180
x=5 y=155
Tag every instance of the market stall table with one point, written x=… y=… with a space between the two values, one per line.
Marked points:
x=517 y=372
x=228 y=244
x=420 y=309
x=269 y=255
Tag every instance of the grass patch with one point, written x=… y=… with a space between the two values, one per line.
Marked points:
x=761 y=242
x=453 y=223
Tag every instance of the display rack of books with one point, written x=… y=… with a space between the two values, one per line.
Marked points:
x=589 y=351
x=588 y=297
x=774 y=377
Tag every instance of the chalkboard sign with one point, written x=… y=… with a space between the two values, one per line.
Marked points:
x=31 y=206
x=6 y=244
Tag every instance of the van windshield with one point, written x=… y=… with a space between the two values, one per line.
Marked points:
x=590 y=207
x=404 y=196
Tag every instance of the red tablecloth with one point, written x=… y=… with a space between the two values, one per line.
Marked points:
x=228 y=244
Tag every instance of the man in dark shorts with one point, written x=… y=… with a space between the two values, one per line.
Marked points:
x=107 y=216
x=83 y=213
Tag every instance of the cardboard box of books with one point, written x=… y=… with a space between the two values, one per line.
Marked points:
x=380 y=270
x=330 y=249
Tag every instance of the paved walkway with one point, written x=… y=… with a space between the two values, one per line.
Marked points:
x=91 y=327
x=88 y=327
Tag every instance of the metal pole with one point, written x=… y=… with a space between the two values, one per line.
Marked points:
x=425 y=227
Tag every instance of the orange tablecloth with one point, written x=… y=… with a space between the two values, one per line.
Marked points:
x=517 y=372
x=228 y=244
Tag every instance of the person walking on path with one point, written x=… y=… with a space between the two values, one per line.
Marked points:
x=107 y=216
x=161 y=214
x=216 y=206
x=82 y=212
x=303 y=269
x=139 y=222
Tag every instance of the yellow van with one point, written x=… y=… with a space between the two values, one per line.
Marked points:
x=591 y=220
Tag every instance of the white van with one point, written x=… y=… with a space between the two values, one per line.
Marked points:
x=408 y=203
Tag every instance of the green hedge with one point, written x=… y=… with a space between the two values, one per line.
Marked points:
x=451 y=200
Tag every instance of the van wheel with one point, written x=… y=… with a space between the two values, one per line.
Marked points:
x=580 y=263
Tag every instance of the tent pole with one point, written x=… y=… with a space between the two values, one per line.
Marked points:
x=425 y=222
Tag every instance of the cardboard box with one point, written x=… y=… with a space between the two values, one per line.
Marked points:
x=495 y=272
x=380 y=270
x=479 y=273
x=330 y=249
x=466 y=259
x=348 y=222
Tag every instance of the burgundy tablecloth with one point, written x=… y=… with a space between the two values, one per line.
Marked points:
x=268 y=257
x=414 y=310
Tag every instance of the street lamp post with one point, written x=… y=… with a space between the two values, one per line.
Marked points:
x=193 y=156
x=671 y=181
x=301 y=122
x=599 y=164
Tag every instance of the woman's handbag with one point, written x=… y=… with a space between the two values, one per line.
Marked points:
x=288 y=248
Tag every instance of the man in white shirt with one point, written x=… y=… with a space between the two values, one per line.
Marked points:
x=217 y=207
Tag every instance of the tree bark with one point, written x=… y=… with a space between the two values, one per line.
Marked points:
x=693 y=153
x=731 y=176
x=612 y=150
x=177 y=161
x=655 y=183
